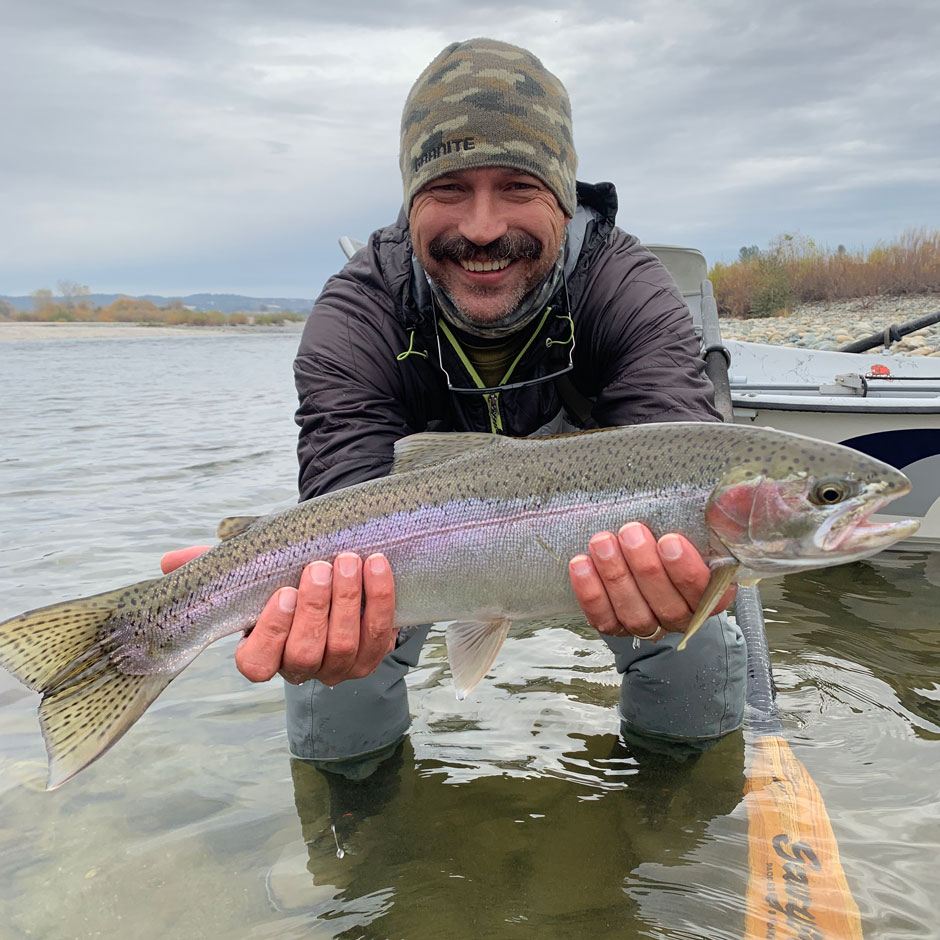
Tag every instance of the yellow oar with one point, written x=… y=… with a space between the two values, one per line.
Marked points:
x=796 y=886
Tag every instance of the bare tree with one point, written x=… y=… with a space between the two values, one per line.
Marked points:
x=73 y=293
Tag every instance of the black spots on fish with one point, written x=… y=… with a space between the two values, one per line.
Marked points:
x=88 y=713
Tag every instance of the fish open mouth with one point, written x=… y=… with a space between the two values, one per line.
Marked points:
x=854 y=532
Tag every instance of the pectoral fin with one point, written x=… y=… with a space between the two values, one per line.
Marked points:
x=472 y=646
x=722 y=577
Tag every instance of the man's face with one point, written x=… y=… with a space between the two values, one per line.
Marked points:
x=487 y=237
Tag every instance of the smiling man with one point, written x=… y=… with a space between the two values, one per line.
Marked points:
x=505 y=300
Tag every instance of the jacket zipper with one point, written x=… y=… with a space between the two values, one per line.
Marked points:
x=496 y=420
x=491 y=400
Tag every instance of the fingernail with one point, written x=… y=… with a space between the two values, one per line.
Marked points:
x=632 y=535
x=287 y=600
x=603 y=546
x=378 y=564
x=348 y=565
x=321 y=572
x=670 y=547
x=580 y=566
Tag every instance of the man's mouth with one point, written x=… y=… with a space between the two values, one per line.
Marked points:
x=480 y=266
x=485 y=259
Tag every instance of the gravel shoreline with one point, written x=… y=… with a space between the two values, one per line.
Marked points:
x=829 y=326
x=19 y=331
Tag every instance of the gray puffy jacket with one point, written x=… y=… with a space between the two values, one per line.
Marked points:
x=368 y=369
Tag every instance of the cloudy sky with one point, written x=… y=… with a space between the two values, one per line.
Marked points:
x=173 y=147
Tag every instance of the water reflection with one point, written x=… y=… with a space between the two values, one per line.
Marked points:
x=544 y=852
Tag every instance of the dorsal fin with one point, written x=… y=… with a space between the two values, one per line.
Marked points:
x=231 y=526
x=429 y=448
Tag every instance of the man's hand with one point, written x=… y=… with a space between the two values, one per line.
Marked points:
x=630 y=585
x=321 y=629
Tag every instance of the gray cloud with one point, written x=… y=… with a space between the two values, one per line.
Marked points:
x=225 y=146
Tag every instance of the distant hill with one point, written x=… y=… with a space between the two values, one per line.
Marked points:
x=224 y=303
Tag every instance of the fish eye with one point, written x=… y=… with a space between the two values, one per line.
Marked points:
x=828 y=493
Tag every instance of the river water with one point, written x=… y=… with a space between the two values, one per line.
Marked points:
x=515 y=814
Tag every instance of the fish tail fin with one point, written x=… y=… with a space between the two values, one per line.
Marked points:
x=87 y=703
x=82 y=721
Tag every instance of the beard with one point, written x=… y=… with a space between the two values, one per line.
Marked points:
x=504 y=314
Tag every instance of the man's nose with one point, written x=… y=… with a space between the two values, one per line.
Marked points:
x=482 y=220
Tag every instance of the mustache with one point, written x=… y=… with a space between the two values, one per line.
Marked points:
x=511 y=247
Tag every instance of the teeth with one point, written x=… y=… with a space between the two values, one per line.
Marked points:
x=485 y=265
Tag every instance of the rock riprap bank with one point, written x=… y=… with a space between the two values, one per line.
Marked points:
x=831 y=325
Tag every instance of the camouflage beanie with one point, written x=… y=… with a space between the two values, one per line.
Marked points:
x=486 y=103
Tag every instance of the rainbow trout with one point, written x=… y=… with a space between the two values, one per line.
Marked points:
x=478 y=530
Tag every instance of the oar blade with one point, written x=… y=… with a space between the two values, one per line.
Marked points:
x=797 y=886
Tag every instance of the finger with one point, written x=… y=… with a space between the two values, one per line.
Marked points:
x=342 y=640
x=685 y=567
x=688 y=571
x=629 y=606
x=592 y=596
x=304 y=649
x=377 y=632
x=668 y=605
x=258 y=655
x=175 y=559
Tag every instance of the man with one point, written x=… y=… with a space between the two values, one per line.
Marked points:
x=505 y=300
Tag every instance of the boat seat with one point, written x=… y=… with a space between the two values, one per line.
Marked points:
x=688 y=269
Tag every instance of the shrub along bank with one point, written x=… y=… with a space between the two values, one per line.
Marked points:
x=135 y=310
x=795 y=270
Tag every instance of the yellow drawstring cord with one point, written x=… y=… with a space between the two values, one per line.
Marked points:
x=411 y=351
